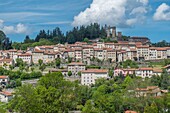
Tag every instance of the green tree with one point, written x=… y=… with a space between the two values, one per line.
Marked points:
x=57 y=62
x=18 y=82
x=79 y=74
x=69 y=73
x=42 y=67
x=21 y=68
x=11 y=67
x=2 y=38
x=86 y=40
x=111 y=73
x=151 y=109
x=19 y=62
x=32 y=69
x=26 y=100
x=40 y=62
x=165 y=82
x=90 y=108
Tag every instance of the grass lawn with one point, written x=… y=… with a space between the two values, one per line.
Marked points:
x=3 y=107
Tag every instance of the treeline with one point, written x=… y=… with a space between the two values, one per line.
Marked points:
x=55 y=36
x=54 y=94
x=161 y=44
x=91 y=31
x=5 y=42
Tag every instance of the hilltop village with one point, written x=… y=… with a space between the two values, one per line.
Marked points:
x=89 y=62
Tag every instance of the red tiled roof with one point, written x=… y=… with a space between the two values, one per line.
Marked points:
x=142 y=46
x=156 y=70
x=167 y=66
x=148 y=88
x=129 y=111
x=37 y=51
x=76 y=63
x=130 y=69
x=95 y=71
x=12 y=50
x=161 y=49
x=98 y=49
x=3 y=77
x=25 y=54
x=6 y=93
x=145 y=68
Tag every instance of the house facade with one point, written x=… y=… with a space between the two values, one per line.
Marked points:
x=5 y=96
x=76 y=67
x=88 y=77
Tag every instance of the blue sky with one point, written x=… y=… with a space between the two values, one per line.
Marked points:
x=150 y=18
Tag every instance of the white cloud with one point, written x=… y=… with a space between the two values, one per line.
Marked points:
x=139 y=10
x=145 y=2
x=53 y=23
x=112 y=12
x=1 y=23
x=162 y=12
x=131 y=21
x=19 y=28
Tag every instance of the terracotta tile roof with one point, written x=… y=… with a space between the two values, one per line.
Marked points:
x=12 y=50
x=87 y=47
x=19 y=51
x=132 y=50
x=161 y=49
x=167 y=66
x=76 y=63
x=157 y=70
x=3 y=77
x=6 y=93
x=130 y=69
x=95 y=71
x=147 y=88
x=25 y=54
x=142 y=46
x=153 y=48
x=129 y=111
x=98 y=49
x=152 y=87
x=37 y=51
x=164 y=91
x=146 y=68
x=141 y=89
x=78 y=49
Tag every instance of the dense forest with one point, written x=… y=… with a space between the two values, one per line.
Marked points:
x=54 y=94
x=55 y=36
